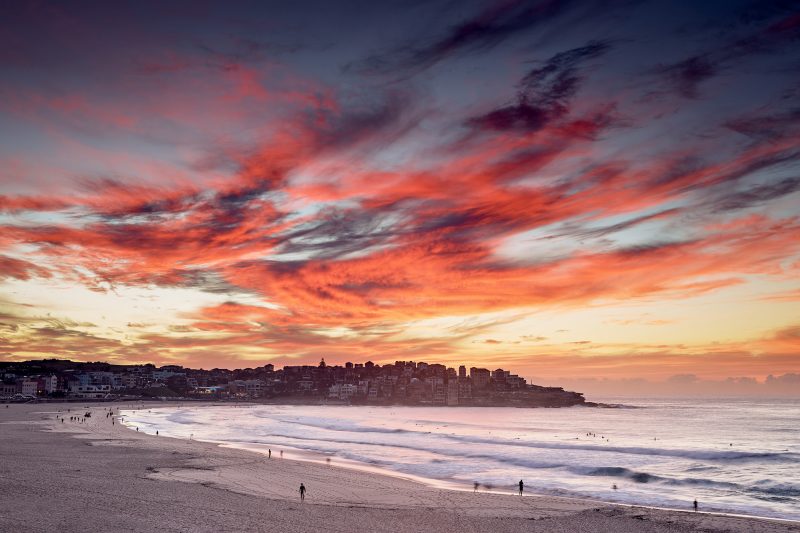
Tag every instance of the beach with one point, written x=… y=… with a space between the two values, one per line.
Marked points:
x=101 y=476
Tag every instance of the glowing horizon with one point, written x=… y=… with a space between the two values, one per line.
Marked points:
x=561 y=189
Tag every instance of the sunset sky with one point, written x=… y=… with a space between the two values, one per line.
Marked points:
x=568 y=189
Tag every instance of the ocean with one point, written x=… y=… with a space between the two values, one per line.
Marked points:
x=737 y=456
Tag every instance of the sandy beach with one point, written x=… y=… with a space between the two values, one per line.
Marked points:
x=99 y=476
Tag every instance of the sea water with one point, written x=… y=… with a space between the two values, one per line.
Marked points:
x=740 y=456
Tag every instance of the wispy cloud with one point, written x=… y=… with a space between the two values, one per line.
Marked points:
x=493 y=166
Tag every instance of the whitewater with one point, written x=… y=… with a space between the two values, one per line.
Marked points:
x=739 y=456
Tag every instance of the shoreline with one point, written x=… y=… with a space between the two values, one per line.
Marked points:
x=175 y=476
x=318 y=458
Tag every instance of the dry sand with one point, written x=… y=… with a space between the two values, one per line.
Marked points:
x=97 y=476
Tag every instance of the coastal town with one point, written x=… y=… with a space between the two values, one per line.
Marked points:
x=400 y=383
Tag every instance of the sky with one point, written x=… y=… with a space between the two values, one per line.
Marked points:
x=581 y=192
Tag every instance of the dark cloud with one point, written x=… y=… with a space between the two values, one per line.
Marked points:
x=521 y=116
x=204 y=280
x=767 y=127
x=557 y=78
x=580 y=231
x=688 y=385
x=651 y=249
x=544 y=92
x=781 y=30
x=339 y=232
x=778 y=26
x=479 y=33
x=120 y=198
x=692 y=174
x=686 y=76
x=362 y=117
x=790 y=381
x=754 y=195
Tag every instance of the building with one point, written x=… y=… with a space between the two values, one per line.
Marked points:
x=251 y=388
x=464 y=390
x=89 y=391
x=29 y=387
x=500 y=375
x=342 y=391
x=480 y=378
x=372 y=395
x=452 y=392
x=515 y=382
x=49 y=384
x=439 y=393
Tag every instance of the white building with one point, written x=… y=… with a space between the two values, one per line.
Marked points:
x=88 y=391
x=163 y=375
x=29 y=387
x=342 y=391
x=50 y=384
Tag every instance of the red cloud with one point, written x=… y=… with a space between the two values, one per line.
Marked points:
x=219 y=168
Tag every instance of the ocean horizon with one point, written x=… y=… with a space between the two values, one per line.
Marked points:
x=732 y=455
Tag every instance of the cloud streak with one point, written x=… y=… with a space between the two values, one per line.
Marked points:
x=310 y=212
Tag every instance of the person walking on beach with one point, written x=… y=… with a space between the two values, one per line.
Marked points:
x=302 y=492
x=269 y=453
x=475 y=487
x=695 y=505
x=521 y=486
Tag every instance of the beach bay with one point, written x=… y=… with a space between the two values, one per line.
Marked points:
x=101 y=476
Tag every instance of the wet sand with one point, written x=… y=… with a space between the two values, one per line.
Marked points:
x=97 y=476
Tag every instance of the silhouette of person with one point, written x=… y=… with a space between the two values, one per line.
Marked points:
x=695 y=505
x=281 y=454
x=302 y=492
x=475 y=487
x=521 y=486
x=269 y=453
